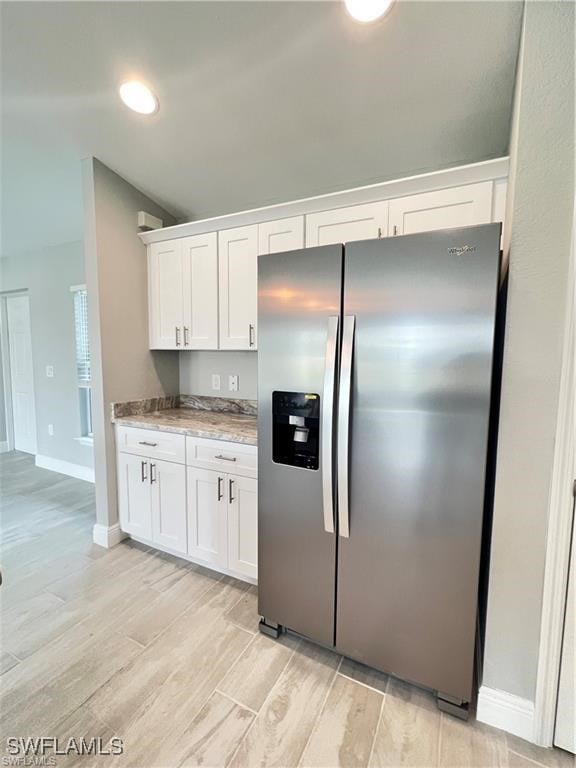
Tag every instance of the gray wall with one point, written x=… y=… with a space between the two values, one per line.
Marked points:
x=541 y=229
x=116 y=275
x=47 y=274
x=196 y=369
x=3 y=436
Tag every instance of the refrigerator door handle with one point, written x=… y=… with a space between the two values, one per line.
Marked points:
x=326 y=430
x=344 y=424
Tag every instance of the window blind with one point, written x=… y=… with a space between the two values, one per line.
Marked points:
x=82 y=344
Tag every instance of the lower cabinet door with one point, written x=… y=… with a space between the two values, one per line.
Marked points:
x=134 y=497
x=168 y=487
x=243 y=525
x=207 y=516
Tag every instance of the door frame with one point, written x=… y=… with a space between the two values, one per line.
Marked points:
x=7 y=369
x=560 y=521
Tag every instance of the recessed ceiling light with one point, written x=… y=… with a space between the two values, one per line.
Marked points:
x=368 y=10
x=138 y=97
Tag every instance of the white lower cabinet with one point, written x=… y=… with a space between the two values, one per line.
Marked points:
x=134 y=497
x=223 y=520
x=207 y=517
x=198 y=509
x=243 y=525
x=168 y=489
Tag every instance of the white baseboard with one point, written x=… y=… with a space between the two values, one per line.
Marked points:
x=107 y=536
x=505 y=711
x=65 y=468
x=4 y=446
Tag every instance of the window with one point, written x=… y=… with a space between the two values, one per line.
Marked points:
x=83 y=360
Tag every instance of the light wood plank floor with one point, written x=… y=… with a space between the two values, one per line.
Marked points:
x=166 y=655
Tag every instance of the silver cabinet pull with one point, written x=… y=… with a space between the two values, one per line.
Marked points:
x=186 y=332
x=145 y=442
x=326 y=426
x=152 y=473
x=230 y=486
x=220 y=494
x=251 y=335
x=395 y=230
x=143 y=474
x=225 y=458
x=177 y=334
x=344 y=424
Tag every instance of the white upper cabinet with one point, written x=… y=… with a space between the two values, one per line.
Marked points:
x=200 y=280
x=165 y=295
x=238 y=278
x=183 y=293
x=281 y=235
x=342 y=225
x=443 y=209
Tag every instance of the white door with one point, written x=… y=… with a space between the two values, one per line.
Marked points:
x=343 y=225
x=238 y=272
x=443 y=209
x=243 y=525
x=168 y=488
x=166 y=295
x=281 y=235
x=134 y=495
x=21 y=373
x=200 y=282
x=565 y=732
x=207 y=516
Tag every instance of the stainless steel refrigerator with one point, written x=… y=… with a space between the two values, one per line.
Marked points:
x=374 y=391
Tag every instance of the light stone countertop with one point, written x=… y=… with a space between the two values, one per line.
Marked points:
x=216 y=425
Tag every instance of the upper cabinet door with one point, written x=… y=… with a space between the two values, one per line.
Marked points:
x=281 y=235
x=200 y=285
x=444 y=209
x=165 y=295
x=238 y=270
x=168 y=488
x=342 y=225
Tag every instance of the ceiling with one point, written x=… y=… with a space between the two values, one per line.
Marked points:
x=260 y=102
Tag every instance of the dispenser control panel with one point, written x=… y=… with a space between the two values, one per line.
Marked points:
x=296 y=429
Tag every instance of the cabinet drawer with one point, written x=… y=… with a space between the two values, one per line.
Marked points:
x=152 y=443
x=222 y=456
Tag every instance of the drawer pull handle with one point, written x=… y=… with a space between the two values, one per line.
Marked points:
x=150 y=445
x=225 y=458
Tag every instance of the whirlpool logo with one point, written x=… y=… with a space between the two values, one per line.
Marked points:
x=461 y=250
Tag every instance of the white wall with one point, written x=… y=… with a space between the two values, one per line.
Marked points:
x=123 y=367
x=542 y=206
x=196 y=369
x=47 y=275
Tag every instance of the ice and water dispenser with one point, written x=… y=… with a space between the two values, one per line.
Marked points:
x=296 y=429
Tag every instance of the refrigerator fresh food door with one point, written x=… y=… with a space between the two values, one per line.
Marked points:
x=298 y=323
x=420 y=359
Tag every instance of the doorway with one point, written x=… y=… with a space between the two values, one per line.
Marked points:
x=20 y=403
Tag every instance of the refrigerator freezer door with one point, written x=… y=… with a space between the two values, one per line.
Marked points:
x=422 y=362
x=298 y=307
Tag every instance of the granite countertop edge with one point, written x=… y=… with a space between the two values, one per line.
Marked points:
x=221 y=427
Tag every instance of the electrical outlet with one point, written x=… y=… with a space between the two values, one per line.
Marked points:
x=51 y=430
x=233 y=383
x=50 y=371
x=215 y=381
